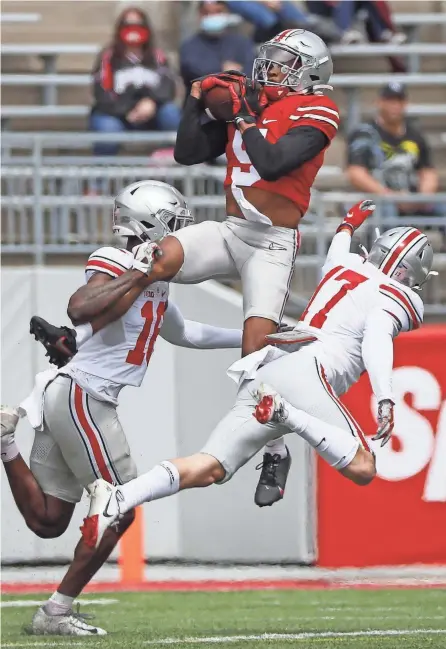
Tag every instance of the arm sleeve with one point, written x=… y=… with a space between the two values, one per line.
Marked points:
x=338 y=251
x=106 y=100
x=377 y=352
x=187 y=333
x=289 y=152
x=197 y=142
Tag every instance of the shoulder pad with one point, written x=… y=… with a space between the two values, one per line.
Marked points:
x=112 y=261
x=403 y=303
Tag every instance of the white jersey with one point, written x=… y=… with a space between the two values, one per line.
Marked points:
x=353 y=303
x=119 y=354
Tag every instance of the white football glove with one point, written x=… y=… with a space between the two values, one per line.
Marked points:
x=290 y=336
x=145 y=254
x=385 y=421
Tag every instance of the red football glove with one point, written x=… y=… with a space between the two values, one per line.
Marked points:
x=245 y=102
x=357 y=215
x=223 y=79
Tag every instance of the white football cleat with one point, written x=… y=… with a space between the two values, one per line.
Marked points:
x=103 y=512
x=70 y=624
x=270 y=405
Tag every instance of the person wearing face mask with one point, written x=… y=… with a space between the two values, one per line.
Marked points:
x=133 y=86
x=215 y=47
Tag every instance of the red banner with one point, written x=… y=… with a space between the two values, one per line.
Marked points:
x=401 y=517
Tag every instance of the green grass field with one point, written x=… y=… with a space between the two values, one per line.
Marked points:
x=351 y=619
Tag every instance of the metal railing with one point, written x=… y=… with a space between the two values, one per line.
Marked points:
x=55 y=204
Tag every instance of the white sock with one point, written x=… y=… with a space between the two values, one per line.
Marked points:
x=335 y=445
x=83 y=333
x=163 y=480
x=58 y=604
x=276 y=447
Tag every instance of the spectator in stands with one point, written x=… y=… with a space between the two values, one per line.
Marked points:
x=379 y=24
x=215 y=47
x=134 y=89
x=389 y=156
x=273 y=16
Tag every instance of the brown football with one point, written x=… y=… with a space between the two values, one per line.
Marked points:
x=218 y=102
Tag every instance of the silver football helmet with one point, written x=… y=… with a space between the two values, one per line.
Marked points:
x=404 y=254
x=149 y=210
x=302 y=56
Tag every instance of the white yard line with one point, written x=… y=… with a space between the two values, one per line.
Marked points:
x=291 y=636
x=19 y=603
x=368 y=609
x=269 y=637
x=350 y=618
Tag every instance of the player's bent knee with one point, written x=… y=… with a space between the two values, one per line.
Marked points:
x=362 y=469
x=52 y=531
x=365 y=471
x=216 y=474
x=254 y=334
x=199 y=470
x=170 y=262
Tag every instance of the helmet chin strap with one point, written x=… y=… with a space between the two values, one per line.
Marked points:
x=419 y=287
x=363 y=252
x=321 y=87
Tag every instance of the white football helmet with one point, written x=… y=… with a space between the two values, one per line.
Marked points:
x=301 y=55
x=404 y=254
x=149 y=210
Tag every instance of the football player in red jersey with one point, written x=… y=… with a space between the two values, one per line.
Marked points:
x=275 y=146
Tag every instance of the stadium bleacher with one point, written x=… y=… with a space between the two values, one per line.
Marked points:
x=47 y=56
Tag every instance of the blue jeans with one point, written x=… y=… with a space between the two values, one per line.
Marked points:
x=262 y=17
x=344 y=14
x=167 y=118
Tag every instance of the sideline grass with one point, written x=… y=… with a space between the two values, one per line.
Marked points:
x=216 y=619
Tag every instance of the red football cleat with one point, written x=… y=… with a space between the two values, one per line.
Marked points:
x=264 y=411
x=89 y=531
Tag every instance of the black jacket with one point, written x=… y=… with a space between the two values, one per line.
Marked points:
x=119 y=85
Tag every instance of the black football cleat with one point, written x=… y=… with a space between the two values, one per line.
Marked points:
x=59 y=342
x=272 y=481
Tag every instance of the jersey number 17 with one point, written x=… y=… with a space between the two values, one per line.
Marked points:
x=353 y=280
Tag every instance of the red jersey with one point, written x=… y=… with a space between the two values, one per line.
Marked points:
x=275 y=121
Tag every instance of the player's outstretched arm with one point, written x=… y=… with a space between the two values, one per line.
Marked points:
x=197 y=142
x=340 y=245
x=377 y=353
x=196 y=335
